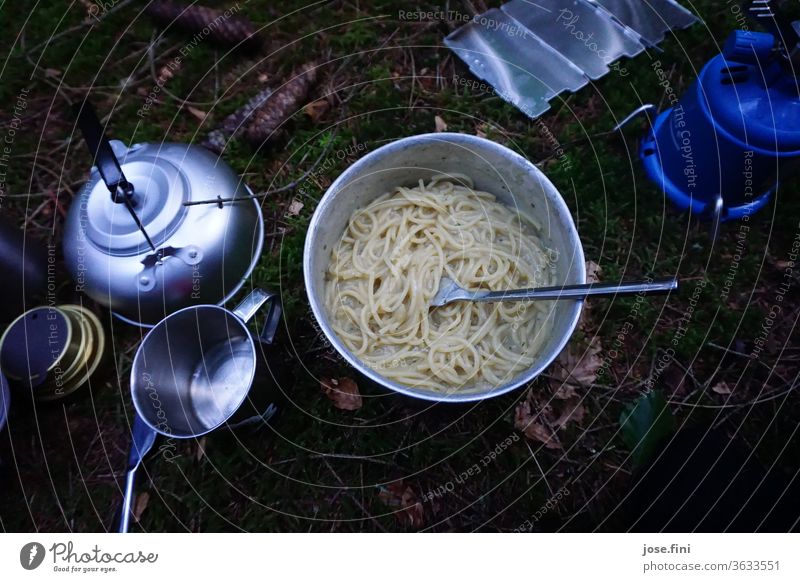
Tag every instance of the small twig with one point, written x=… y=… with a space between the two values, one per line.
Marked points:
x=281 y=462
x=163 y=86
x=61 y=88
x=30 y=219
x=77 y=27
x=349 y=458
x=413 y=80
x=728 y=350
x=749 y=359
x=470 y=8
x=287 y=187
x=353 y=497
x=295 y=183
x=57 y=177
x=740 y=405
x=535 y=460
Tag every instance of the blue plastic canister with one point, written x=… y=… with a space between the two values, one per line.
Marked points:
x=732 y=134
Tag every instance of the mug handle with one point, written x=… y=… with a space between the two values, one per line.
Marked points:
x=245 y=311
x=255 y=301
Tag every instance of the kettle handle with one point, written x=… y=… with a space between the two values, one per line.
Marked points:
x=99 y=146
x=107 y=163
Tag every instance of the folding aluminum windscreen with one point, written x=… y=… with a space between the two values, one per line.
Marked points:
x=491 y=44
x=651 y=19
x=579 y=31
x=532 y=50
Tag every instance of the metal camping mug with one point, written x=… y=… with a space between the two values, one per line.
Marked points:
x=194 y=371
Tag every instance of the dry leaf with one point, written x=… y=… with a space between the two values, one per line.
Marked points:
x=401 y=496
x=198 y=113
x=440 y=124
x=316 y=109
x=427 y=82
x=343 y=392
x=577 y=365
x=165 y=73
x=294 y=208
x=526 y=422
x=781 y=264
x=573 y=411
x=141 y=503
x=92 y=8
x=565 y=392
x=721 y=388
x=593 y=272
x=593 y=275
x=539 y=433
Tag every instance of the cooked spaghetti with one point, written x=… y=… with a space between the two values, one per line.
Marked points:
x=387 y=268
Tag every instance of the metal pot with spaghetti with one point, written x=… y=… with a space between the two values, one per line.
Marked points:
x=436 y=206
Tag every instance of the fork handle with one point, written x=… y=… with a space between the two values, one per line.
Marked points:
x=655 y=287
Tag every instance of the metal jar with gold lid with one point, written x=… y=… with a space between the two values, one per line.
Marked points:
x=51 y=352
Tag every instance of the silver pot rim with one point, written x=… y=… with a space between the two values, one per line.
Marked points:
x=318 y=307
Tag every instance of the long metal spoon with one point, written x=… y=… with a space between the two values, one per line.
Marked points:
x=450 y=291
x=142 y=439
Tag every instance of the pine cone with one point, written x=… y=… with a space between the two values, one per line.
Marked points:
x=220 y=26
x=235 y=122
x=283 y=103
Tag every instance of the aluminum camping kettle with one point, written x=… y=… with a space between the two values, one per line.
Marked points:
x=133 y=240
